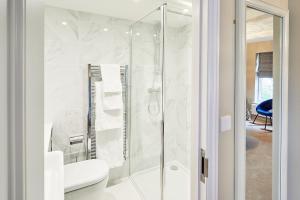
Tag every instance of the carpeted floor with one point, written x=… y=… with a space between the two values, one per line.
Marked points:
x=258 y=163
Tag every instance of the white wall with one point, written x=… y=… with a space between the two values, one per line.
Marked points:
x=68 y=51
x=227 y=65
x=294 y=100
x=178 y=93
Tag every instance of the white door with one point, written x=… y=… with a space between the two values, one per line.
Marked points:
x=206 y=76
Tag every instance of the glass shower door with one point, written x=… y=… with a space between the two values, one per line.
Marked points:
x=146 y=108
x=177 y=98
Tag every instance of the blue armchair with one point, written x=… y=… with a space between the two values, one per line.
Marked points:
x=264 y=109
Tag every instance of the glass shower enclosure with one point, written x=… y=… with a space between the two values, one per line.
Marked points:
x=147 y=140
x=159 y=104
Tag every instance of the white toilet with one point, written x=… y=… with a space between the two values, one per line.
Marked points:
x=85 y=180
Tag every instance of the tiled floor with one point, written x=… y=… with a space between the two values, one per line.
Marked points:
x=122 y=191
x=145 y=185
x=258 y=163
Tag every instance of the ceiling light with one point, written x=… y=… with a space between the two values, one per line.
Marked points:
x=105 y=29
x=127 y=32
x=185 y=3
x=154 y=35
x=137 y=34
x=64 y=23
x=185 y=10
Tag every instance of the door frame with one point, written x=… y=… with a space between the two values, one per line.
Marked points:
x=4 y=160
x=25 y=156
x=23 y=166
x=13 y=99
x=205 y=116
x=205 y=102
x=280 y=182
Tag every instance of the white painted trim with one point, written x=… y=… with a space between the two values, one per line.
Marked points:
x=240 y=101
x=204 y=89
x=196 y=90
x=4 y=170
x=213 y=98
x=240 y=93
x=205 y=118
x=24 y=73
x=284 y=108
x=34 y=100
x=16 y=98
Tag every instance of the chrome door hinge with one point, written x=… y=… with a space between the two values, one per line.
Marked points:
x=204 y=166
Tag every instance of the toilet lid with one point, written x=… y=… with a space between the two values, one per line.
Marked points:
x=84 y=173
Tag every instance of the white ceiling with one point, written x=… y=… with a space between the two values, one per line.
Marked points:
x=259 y=26
x=128 y=9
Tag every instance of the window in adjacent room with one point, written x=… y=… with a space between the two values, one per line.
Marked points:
x=264 y=76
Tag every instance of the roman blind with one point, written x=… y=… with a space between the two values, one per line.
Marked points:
x=264 y=65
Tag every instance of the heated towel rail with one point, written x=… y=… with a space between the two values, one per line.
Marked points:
x=94 y=75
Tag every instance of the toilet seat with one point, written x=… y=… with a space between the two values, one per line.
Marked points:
x=85 y=173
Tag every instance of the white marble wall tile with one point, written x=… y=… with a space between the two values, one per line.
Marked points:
x=178 y=92
x=71 y=47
